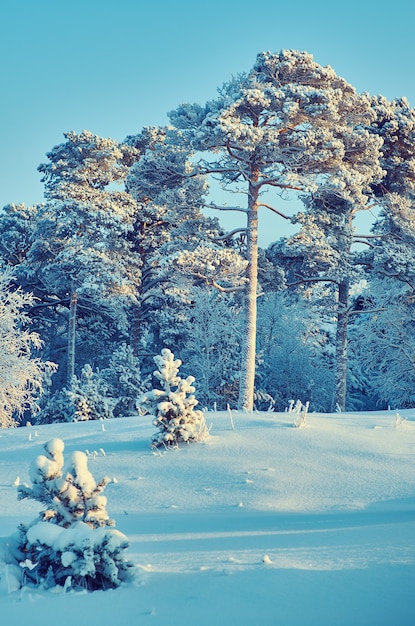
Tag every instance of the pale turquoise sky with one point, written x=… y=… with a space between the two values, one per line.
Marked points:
x=113 y=67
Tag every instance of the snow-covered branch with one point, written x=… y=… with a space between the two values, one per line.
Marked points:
x=364 y=311
x=211 y=282
x=212 y=205
x=369 y=236
x=221 y=268
x=303 y=281
x=363 y=241
x=276 y=183
x=229 y=235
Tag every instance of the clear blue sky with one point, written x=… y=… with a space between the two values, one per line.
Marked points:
x=112 y=67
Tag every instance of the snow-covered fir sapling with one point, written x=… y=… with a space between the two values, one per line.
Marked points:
x=70 y=543
x=173 y=405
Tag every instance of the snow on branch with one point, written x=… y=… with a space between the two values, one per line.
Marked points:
x=229 y=235
x=303 y=281
x=220 y=268
x=212 y=205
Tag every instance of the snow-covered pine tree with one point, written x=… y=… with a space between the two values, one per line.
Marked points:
x=86 y=399
x=383 y=342
x=90 y=396
x=390 y=252
x=17 y=223
x=71 y=544
x=80 y=252
x=323 y=253
x=168 y=221
x=288 y=124
x=395 y=123
x=173 y=406
x=123 y=378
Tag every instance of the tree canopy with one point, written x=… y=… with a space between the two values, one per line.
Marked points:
x=123 y=260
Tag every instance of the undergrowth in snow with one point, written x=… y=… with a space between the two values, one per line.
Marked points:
x=239 y=528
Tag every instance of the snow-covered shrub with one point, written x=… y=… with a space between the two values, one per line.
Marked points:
x=300 y=411
x=89 y=396
x=85 y=400
x=173 y=405
x=70 y=544
x=123 y=377
x=400 y=420
x=263 y=401
x=58 y=408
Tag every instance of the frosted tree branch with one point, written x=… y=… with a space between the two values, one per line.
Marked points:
x=211 y=282
x=233 y=232
x=212 y=205
x=364 y=311
x=302 y=281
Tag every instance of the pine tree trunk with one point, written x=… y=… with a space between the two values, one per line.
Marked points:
x=135 y=329
x=340 y=372
x=71 y=338
x=248 y=348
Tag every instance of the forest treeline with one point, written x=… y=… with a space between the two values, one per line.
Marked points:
x=121 y=260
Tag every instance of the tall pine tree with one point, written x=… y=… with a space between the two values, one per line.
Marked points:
x=80 y=251
x=288 y=124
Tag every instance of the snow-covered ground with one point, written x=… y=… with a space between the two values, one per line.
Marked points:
x=262 y=525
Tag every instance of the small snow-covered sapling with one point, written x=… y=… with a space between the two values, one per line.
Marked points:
x=71 y=539
x=173 y=406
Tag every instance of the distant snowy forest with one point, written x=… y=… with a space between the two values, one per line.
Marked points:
x=122 y=259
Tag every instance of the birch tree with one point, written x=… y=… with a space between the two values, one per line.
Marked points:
x=289 y=124
x=22 y=374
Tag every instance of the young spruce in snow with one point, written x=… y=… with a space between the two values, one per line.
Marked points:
x=71 y=544
x=174 y=405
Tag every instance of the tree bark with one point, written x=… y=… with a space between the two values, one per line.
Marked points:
x=248 y=348
x=71 y=338
x=340 y=372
